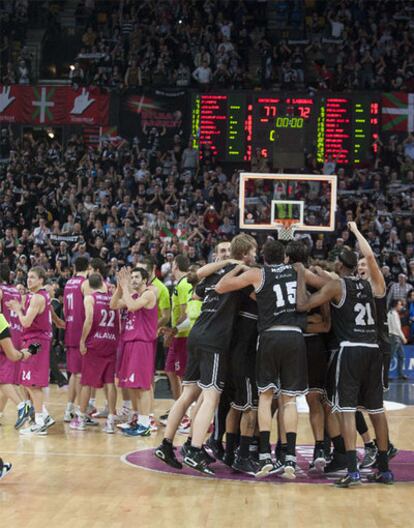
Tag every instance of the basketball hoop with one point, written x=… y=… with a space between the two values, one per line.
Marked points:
x=286 y=228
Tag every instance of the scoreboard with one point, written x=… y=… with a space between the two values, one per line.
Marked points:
x=236 y=124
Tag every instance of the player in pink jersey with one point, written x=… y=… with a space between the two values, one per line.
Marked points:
x=36 y=319
x=139 y=333
x=9 y=370
x=98 y=346
x=74 y=317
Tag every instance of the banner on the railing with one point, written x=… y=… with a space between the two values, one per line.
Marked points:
x=53 y=105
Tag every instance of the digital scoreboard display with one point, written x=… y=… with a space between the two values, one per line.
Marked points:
x=237 y=124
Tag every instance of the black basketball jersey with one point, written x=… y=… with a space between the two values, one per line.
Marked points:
x=382 y=319
x=276 y=298
x=353 y=318
x=214 y=326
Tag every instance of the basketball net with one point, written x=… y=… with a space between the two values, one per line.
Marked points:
x=286 y=228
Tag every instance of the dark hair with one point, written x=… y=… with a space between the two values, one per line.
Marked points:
x=297 y=252
x=149 y=262
x=144 y=273
x=40 y=272
x=95 y=281
x=182 y=262
x=394 y=303
x=81 y=264
x=348 y=258
x=273 y=252
x=192 y=277
x=5 y=272
x=97 y=264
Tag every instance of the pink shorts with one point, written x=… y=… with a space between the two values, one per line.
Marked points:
x=8 y=370
x=73 y=360
x=97 y=371
x=177 y=356
x=34 y=372
x=137 y=366
x=119 y=355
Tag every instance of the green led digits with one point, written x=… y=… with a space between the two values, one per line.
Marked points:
x=289 y=122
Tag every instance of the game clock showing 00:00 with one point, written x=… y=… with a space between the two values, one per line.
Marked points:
x=235 y=125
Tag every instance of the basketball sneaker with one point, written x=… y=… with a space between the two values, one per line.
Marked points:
x=153 y=424
x=132 y=423
x=264 y=466
x=109 y=427
x=392 y=451
x=138 y=430
x=318 y=463
x=289 y=471
x=78 y=424
x=338 y=463
x=382 y=477
x=5 y=467
x=370 y=457
x=165 y=452
x=23 y=414
x=245 y=465
x=216 y=447
x=124 y=413
x=103 y=413
x=228 y=458
x=89 y=422
x=34 y=430
x=91 y=409
x=196 y=459
x=349 y=480
x=68 y=416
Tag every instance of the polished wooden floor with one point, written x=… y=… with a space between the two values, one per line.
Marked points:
x=77 y=480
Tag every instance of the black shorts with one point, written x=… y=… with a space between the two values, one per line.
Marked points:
x=205 y=366
x=385 y=350
x=358 y=379
x=317 y=363
x=330 y=376
x=281 y=362
x=242 y=372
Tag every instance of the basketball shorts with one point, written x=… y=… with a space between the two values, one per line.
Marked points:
x=385 y=350
x=281 y=362
x=177 y=356
x=206 y=367
x=242 y=372
x=73 y=360
x=98 y=371
x=330 y=377
x=34 y=372
x=317 y=363
x=8 y=370
x=137 y=366
x=358 y=378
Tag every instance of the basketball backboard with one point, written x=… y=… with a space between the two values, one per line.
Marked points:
x=270 y=201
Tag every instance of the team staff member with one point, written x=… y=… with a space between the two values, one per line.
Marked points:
x=12 y=355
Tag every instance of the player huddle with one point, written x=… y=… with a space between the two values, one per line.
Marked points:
x=244 y=341
x=268 y=334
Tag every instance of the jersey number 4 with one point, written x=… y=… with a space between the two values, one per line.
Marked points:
x=363 y=315
x=285 y=297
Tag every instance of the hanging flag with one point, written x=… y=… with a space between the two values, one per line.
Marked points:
x=398 y=112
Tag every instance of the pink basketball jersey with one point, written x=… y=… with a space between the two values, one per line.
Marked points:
x=74 y=310
x=141 y=325
x=10 y=293
x=41 y=326
x=104 y=335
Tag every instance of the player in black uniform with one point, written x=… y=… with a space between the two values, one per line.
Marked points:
x=319 y=322
x=359 y=365
x=281 y=355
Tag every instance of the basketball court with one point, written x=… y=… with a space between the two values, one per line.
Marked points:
x=73 y=478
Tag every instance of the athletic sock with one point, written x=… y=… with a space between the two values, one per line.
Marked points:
x=144 y=420
x=111 y=417
x=92 y=402
x=244 y=446
x=361 y=424
x=319 y=445
x=382 y=459
x=369 y=445
x=231 y=442
x=69 y=407
x=339 y=444
x=127 y=404
x=264 y=442
x=291 y=444
x=351 y=461
x=167 y=442
x=188 y=441
x=39 y=418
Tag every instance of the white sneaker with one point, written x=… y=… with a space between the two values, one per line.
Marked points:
x=5 y=468
x=124 y=413
x=77 y=424
x=131 y=423
x=68 y=416
x=34 y=430
x=103 y=413
x=153 y=425
x=109 y=427
x=49 y=421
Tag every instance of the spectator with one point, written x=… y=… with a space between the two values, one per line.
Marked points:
x=399 y=290
x=397 y=337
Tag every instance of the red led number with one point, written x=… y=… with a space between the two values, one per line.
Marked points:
x=304 y=111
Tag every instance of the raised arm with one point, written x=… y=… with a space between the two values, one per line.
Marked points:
x=376 y=277
x=116 y=300
x=146 y=300
x=213 y=267
x=36 y=306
